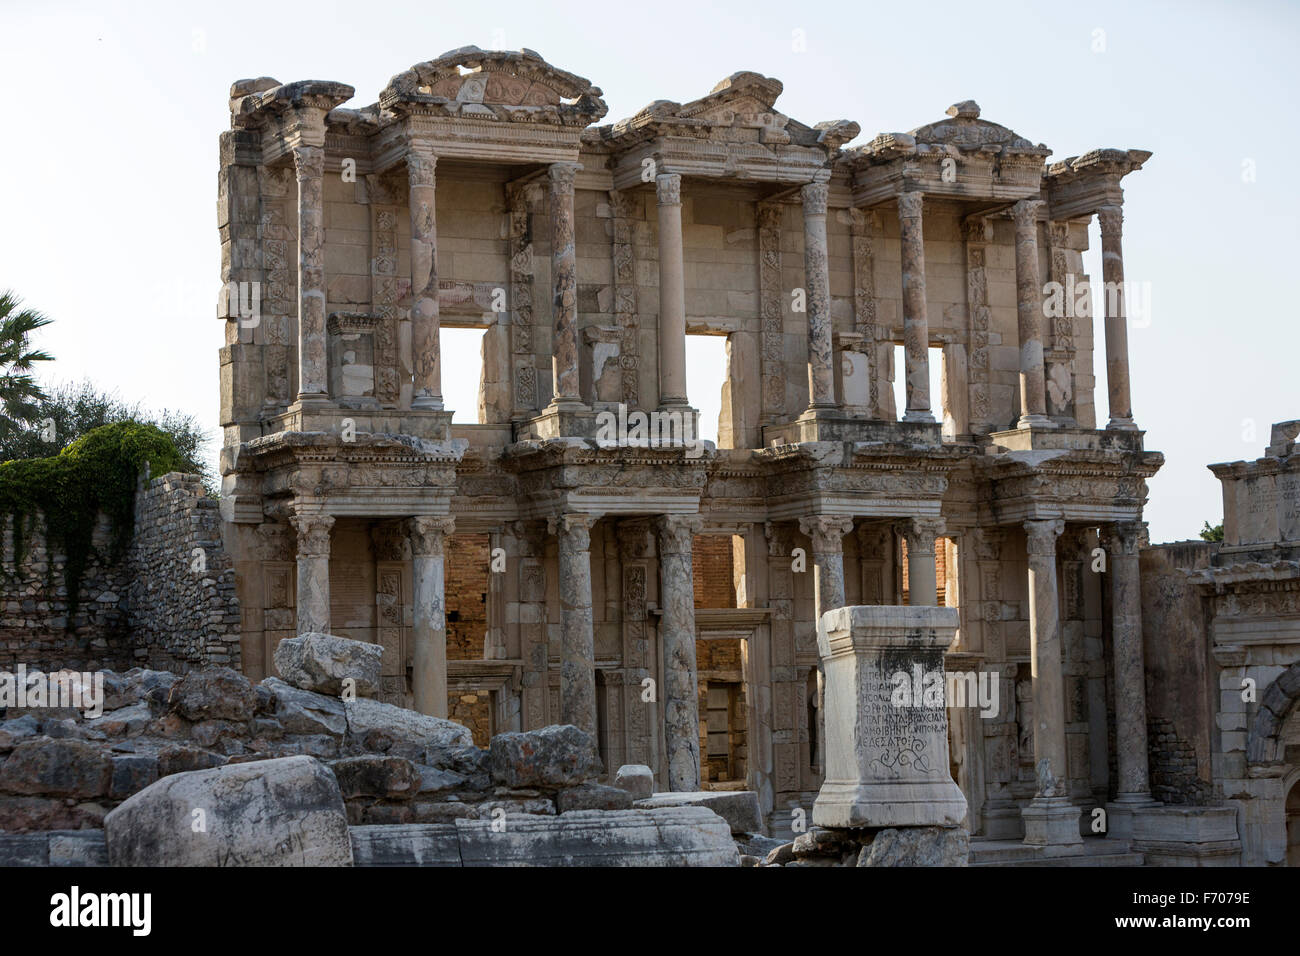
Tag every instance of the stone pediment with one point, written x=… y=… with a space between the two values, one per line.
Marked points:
x=740 y=108
x=495 y=85
x=962 y=132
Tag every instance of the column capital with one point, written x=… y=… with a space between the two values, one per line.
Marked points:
x=1025 y=214
x=921 y=532
x=779 y=538
x=573 y=529
x=1041 y=535
x=313 y=533
x=977 y=229
x=428 y=533
x=1122 y=537
x=677 y=533
x=668 y=189
x=1111 y=221
x=826 y=531
x=421 y=166
x=814 y=197
x=863 y=222
x=910 y=203
x=309 y=162
x=562 y=176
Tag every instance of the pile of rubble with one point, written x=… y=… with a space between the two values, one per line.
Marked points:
x=208 y=768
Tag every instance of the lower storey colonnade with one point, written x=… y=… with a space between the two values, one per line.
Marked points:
x=691 y=646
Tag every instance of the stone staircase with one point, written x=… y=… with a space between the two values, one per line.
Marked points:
x=1096 y=852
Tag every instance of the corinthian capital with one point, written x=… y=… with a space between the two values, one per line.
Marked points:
x=826 y=531
x=920 y=533
x=1122 y=537
x=1025 y=213
x=562 y=175
x=313 y=534
x=573 y=530
x=1041 y=535
x=1111 y=220
x=814 y=199
x=677 y=533
x=421 y=166
x=668 y=189
x=428 y=534
x=309 y=161
x=909 y=205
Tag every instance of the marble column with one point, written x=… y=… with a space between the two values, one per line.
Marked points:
x=1029 y=311
x=1111 y=219
x=564 y=283
x=577 y=634
x=922 y=577
x=1134 y=786
x=1050 y=819
x=313 y=571
x=826 y=533
x=313 y=383
x=672 y=292
x=425 y=323
x=821 y=354
x=429 y=625
x=677 y=635
x=916 y=326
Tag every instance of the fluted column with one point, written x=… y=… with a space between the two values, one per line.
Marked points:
x=429 y=628
x=313 y=571
x=1130 y=669
x=577 y=636
x=564 y=284
x=1111 y=220
x=1029 y=311
x=821 y=355
x=677 y=635
x=672 y=292
x=1045 y=657
x=916 y=325
x=922 y=578
x=425 y=322
x=313 y=384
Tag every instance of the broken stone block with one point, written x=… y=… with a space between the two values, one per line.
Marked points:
x=556 y=756
x=593 y=796
x=637 y=779
x=215 y=693
x=323 y=663
x=917 y=846
x=285 y=812
x=78 y=848
x=123 y=722
x=13 y=732
x=304 y=712
x=131 y=774
x=376 y=727
x=57 y=768
x=181 y=759
x=738 y=807
x=376 y=776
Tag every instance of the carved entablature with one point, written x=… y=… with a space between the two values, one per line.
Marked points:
x=374 y=475
x=963 y=157
x=1080 y=185
x=857 y=479
x=1087 y=486
x=288 y=115
x=733 y=132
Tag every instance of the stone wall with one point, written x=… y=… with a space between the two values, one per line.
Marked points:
x=183 y=609
x=170 y=603
x=34 y=625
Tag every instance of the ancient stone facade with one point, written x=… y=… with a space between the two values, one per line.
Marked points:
x=477 y=192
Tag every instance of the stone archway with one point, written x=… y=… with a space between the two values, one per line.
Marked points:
x=1264 y=743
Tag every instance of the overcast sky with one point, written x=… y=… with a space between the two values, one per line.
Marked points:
x=108 y=166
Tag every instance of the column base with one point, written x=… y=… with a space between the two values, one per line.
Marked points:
x=1119 y=813
x=918 y=415
x=848 y=804
x=431 y=403
x=1035 y=421
x=1121 y=424
x=1052 y=822
x=564 y=419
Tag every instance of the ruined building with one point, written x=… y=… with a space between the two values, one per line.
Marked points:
x=530 y=569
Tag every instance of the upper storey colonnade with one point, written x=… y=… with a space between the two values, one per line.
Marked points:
x=515 y=110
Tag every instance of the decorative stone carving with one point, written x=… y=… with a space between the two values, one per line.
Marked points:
x=677 y=633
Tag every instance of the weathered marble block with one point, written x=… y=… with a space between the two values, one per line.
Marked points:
x=886 y=753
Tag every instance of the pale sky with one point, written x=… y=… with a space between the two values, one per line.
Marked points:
x=108 y=168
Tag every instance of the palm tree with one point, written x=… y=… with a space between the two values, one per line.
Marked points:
x=19 y=391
